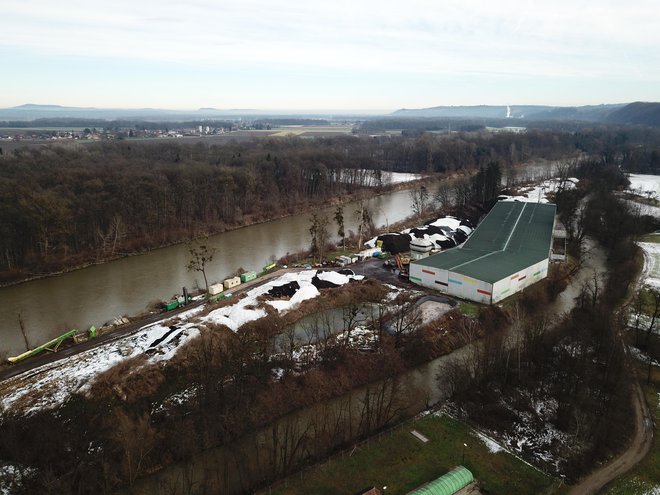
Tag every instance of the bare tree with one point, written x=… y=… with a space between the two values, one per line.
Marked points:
x=365 y=222
x=137 y=438
x=351 y=318
x=420 y=200
x=443 y=197
x=339 y=218
x=319 y=233
x=201 y=254
x=406 y=317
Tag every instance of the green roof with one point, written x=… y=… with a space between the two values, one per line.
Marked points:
x=448 y=484
x=513 y=236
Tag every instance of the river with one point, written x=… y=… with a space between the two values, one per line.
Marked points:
x=96 y=294
x=99 y=293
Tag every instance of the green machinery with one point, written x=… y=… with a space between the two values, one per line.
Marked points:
x=51 y=345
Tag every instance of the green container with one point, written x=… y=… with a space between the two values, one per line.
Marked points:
x=172 y=305
x=270 y=267
x=247 y=276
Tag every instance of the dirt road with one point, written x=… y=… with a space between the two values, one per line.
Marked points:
x=636 y=451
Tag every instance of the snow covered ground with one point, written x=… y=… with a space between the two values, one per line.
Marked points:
x=651 y=272
x=370 y=177
x=50 y=385
x=12 y=476
x=491 y=444
x=250 y=309
x=399 y=177
x=645 y=185
x=538 y=193
x=529 y=435
x=643 y=209
x=650 y=277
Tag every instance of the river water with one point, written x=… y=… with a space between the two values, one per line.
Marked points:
x=99 y=293
x=94 y=295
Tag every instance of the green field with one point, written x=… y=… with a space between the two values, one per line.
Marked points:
x=468 y=309
x=650 y=238
x=45 y=129
x=401 y=462
x=314 y=129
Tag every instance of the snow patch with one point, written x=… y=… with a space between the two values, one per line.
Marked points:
x=645 y=185
x=50 y=385
x=492 y=445
x=651 y=272
x=538 y=193
x=249 y=308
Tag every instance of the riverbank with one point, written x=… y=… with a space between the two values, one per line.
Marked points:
x=86 y=260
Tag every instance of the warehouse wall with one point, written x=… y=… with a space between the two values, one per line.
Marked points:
x=518 y=281
x=451 y=283
x=469 y=288
x=434 y=278
x=458 y=285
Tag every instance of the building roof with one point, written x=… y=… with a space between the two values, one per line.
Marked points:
x=512 y=237
x=448 y=484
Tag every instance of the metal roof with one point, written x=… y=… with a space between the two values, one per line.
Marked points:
x=512 y=237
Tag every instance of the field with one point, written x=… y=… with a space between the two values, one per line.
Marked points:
x=22 y=130
x=316 y=130
x=401 y=462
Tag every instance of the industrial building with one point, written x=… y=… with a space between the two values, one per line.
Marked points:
x=509 y=250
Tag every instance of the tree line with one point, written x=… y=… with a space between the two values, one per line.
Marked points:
x=66 y=205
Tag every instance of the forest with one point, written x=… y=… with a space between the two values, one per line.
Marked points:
x=66 y=206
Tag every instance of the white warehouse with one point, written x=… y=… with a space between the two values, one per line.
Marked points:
x=509 y=250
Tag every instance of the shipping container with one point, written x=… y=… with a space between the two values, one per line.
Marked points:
x=247 y=276
x=270 y=267
x=215 y=289
x=173 y=304
x=231 y=282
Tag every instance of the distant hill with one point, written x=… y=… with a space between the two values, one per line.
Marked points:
x=591 y=113
x=32 y=111
x=594 y=113
x=638 y=113
x=473 y=112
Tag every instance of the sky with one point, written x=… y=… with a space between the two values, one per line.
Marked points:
x=353 y=55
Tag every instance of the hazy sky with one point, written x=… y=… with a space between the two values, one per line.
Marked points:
x=331 y=54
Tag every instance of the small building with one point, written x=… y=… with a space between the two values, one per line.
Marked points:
x=231 y=282
x=215 y=289
x=508 y=251
x=448 y=484
x=248 y=276
x=559 y=236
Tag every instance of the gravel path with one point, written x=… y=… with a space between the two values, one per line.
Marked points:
x=636 y=451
